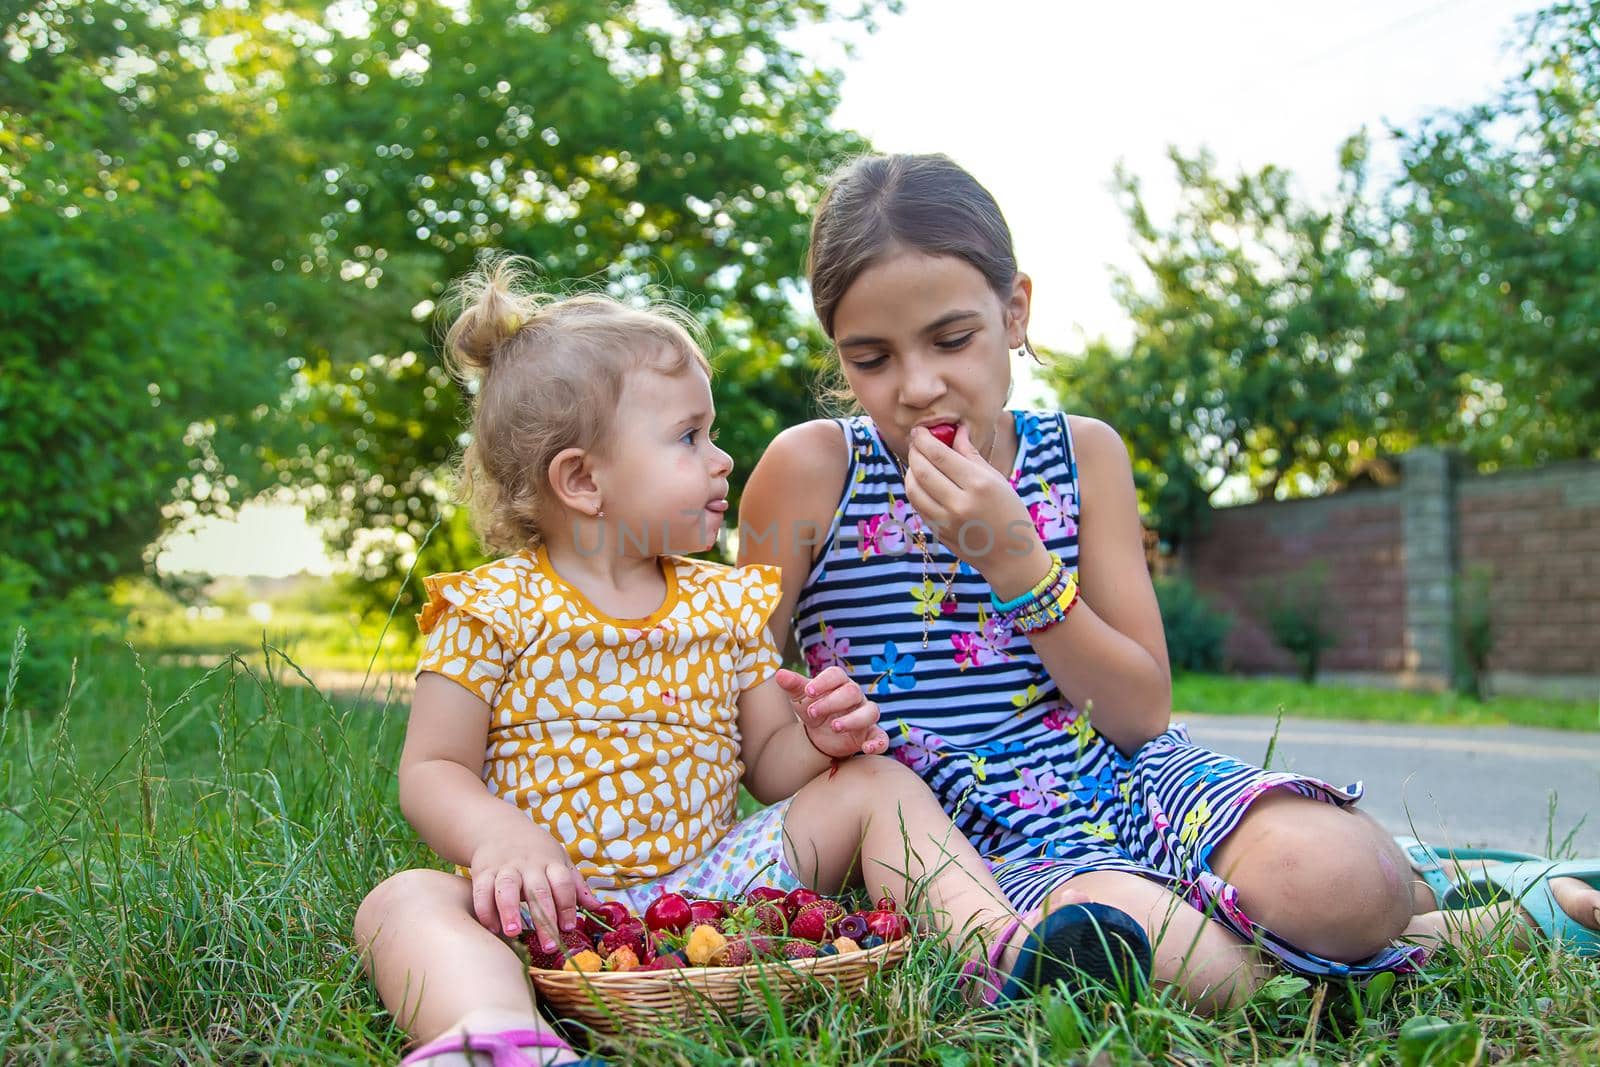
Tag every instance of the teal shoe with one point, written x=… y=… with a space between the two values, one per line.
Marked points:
x=1528 y=885
x=1428 y=861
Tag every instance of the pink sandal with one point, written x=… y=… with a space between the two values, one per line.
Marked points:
x=504 y=1048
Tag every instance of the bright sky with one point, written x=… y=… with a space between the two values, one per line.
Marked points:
x=1041 y=98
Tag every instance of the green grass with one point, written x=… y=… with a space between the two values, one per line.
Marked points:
x=182 y=852
x=1217 y=694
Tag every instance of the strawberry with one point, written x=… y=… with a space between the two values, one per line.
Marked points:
x=737 y=954
x=945 y=432
x=705 y=911
x=770 y=919
x=538 y=957
x=574 y=941
x=761 y=947
x=832 y=911
x=665 y=962
x=799 y=950
x=810 y=925
x=629 y=935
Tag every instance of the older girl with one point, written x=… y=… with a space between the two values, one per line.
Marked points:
x=980 y=571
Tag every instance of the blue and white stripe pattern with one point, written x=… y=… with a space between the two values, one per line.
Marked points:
x=1020 y=769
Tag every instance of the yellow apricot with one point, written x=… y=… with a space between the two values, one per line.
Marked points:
x=583 y=961
x=705 y=944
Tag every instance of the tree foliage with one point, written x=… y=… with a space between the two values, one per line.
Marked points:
x=227 y=227
x=670 y=151
x=119 y=300
x=1245 y=345
x=1494 y=250
x=1278 y=346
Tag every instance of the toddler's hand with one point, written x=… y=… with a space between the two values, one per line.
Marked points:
x=505 y=874
x=838 y=717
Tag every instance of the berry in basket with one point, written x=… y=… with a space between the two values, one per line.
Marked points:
x=677 y=932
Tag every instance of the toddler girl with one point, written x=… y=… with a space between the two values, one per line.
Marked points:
x=587 y=706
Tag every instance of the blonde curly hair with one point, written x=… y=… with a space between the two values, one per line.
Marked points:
x=544 y=374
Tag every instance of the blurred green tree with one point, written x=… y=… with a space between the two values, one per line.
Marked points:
x=1279 y=346
x=1249 y=343
x=120 y=327
x=671 y=150
x=1493 y=250
x=226 y=227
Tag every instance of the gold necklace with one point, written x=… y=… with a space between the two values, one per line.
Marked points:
x=930 y=607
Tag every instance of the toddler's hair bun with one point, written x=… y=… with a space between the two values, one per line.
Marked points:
x=496 y=301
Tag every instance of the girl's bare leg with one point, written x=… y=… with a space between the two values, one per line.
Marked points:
x=438 y=970
x=1210 y=966
x=876 y=819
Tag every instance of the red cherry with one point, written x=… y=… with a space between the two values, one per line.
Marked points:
x=612 y=914
x=945 y=432
x=886 y=904
x=811 y=925
x=799 y=898
x=669 y=911
x=766 y=894
x=886 y=924
x=704 y=911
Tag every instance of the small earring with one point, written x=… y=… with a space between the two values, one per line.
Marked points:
x=600 y=513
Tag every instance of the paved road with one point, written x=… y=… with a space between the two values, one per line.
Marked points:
x=1462 y=785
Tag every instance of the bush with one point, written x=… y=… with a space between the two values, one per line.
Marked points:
x=41 y=635
x=1474 y=630
x=1295 y=606
x=1197 y=632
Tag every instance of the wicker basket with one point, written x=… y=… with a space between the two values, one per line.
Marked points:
x=613 y=1001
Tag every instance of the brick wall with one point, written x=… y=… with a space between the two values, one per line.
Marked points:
x=1392 y=555
x=1538 y=533
x=1356 y=534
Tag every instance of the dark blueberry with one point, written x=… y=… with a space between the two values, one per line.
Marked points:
x=870 y=941
x=827 y=950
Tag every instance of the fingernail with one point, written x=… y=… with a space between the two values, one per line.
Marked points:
x=837 y=726
x=811 y=690
x=513 y=929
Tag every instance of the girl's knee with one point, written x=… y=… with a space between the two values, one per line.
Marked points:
x=876 y=776
x=1328 y=881
x=396 y=893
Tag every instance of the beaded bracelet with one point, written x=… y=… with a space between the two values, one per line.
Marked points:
x=1038 y=592
x=1046 y=612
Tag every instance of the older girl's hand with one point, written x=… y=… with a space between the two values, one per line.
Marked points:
x=971 y=507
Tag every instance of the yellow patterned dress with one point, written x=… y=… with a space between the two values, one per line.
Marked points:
x=620 y=736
